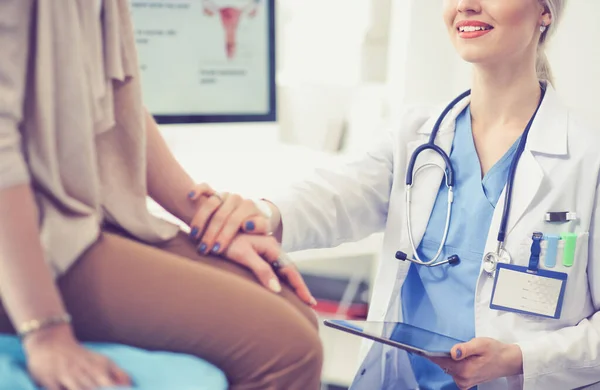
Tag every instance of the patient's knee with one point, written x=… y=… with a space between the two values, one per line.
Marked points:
x=306 y=353
x=296 y=362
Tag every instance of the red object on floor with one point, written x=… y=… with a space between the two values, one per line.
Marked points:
x=356 y=311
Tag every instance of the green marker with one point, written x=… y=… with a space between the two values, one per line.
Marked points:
x=570 y=240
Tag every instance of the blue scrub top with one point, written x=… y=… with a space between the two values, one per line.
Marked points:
x=441 y=299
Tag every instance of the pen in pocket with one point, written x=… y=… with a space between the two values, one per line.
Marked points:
x=570 y=240
x=551 y=250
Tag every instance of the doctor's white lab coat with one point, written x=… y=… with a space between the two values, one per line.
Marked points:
x=558 y=171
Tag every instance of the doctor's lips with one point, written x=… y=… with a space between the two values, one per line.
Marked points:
x=469 y=29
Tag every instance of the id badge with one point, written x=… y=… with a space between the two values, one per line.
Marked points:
x=521 y=290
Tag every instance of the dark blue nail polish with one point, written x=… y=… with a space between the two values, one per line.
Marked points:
x=458 y=353
x=202 y=248
x=191 y=194
x=250 y=226
x=216 y=248
x=194 y=232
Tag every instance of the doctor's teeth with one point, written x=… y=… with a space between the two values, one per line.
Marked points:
x=472 y=28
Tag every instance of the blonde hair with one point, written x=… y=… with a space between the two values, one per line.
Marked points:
x=542 y=65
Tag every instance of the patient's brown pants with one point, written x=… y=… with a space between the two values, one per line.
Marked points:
x=170 y=298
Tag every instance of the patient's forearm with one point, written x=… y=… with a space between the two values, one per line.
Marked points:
x=168 y=183
x=26 y=283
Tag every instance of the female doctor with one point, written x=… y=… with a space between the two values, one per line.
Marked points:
x=518 y=157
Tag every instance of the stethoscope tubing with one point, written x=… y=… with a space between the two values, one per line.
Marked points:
x=449 y=175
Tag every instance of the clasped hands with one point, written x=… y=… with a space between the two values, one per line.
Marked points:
x=227 y=225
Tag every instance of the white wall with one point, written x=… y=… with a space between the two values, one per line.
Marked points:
x=320 y=41
x=320 y=65
x=575 y=56
x=421 y=56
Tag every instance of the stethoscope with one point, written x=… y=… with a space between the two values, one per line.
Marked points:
x=491 y=259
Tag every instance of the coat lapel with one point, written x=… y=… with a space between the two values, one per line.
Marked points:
x=548 y=137
x=528 y=178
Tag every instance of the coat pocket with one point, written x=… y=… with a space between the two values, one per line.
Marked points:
x=575 y=295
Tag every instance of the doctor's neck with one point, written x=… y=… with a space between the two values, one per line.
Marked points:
x=504 y=94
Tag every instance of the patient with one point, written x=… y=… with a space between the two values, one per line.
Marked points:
x=81 y=259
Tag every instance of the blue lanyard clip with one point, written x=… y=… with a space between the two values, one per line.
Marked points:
x=536 y=249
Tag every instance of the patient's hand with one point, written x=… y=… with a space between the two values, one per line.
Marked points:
x=221 y=216
x=258 y=253
x=57 y=361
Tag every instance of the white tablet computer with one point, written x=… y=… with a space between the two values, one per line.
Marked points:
x=407 y=337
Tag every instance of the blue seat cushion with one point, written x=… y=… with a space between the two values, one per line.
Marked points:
x=148 y=370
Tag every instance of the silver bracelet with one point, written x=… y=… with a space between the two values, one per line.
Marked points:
x=33 y=326
x=265 y=209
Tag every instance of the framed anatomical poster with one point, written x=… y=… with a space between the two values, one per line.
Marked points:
x=206 y=61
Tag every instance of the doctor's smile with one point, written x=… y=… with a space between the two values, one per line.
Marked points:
x=469 y=29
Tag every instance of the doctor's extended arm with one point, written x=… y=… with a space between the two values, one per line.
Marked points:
x=337 y=204
x=570 y=357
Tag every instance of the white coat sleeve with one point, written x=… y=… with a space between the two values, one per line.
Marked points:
x=341 y=203
x=570 y=357
x=15 y=19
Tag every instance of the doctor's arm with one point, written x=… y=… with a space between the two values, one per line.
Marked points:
x=337 y=204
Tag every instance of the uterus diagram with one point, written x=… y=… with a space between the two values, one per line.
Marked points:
x=230 y=18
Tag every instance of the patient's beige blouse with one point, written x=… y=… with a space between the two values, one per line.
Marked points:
x=72 y=121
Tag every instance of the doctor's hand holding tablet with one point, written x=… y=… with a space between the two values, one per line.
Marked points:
x=472 y=362
x=489 y=208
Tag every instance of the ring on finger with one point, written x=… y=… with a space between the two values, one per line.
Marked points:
x=218 y=195
x=282 y=261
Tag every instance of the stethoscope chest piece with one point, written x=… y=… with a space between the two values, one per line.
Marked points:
x=491 y=260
